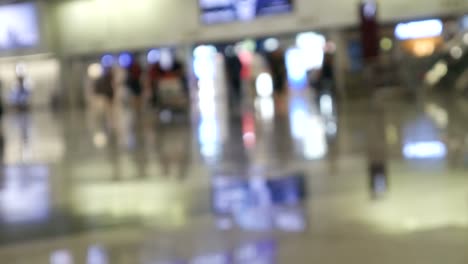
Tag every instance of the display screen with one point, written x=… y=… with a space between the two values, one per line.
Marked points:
x=224 y=11
x=18 y=26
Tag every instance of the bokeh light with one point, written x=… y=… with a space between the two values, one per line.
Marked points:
x=125 y=59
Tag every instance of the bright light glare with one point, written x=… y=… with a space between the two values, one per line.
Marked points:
x=153 y=56
x=309 y=130
x=425 y=150
x=456 y=52
x=315 y=144
x=298 y=119
x=206 y=89
x=95 y=71
x=266 y=107
x=271 y=44
x=206 y=98
x=264 y=85
x=296 y=66
x=204 y=51
x=419 y=29
x=312 y=46
x=208 y=137
x=204 y=62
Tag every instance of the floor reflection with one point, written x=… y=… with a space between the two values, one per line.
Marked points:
x=260 y=204
x=25 y=194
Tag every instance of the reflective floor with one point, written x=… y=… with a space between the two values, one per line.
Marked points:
x=286 y=180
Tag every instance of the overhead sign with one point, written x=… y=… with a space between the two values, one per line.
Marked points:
x=224 y=11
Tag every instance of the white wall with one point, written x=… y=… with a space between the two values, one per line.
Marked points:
x=99 y=25
x=88 y=25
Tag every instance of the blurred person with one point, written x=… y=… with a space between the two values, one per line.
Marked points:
x=154 y=76
x=134 y=74
x=170 y=68
x=104 y=87
x=257 y=68
x=104 y=90
x=21 y=93
x=277 y=66
x=172 y=85
x=233 y=75
x=326 y=78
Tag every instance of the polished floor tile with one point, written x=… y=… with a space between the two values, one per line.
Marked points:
x=285 y=180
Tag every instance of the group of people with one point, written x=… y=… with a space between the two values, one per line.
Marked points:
x=144 y=86
x=164 y=83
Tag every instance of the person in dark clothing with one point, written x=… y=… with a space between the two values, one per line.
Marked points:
x=105 y=86
x=104 y=89
x=277 y=65
x=233 y=76
x=154 y=76
x=326 y=80
x=173 y=70
x=134 y=72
